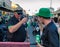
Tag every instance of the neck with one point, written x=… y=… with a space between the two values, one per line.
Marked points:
x=46 y=22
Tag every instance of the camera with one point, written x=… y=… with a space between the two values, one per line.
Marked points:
x=23 y=16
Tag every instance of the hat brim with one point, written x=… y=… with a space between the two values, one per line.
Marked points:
x=37 y=14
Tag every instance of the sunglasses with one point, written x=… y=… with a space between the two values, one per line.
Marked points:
x=19 y=13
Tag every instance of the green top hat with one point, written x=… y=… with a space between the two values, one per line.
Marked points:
x=44 y=12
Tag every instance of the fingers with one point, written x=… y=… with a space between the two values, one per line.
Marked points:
x=24 y=20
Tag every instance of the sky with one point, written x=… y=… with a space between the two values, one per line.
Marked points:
x=34 y=5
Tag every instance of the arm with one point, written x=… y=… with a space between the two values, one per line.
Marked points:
x=15 y=27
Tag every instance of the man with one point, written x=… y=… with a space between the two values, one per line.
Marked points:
x=50 y=37
x=16 y=28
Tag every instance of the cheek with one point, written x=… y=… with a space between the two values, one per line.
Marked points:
x=41 y=20
x=17 y=16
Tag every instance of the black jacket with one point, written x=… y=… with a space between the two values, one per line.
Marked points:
x=50 y=36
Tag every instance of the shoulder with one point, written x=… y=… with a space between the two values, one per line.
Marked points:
x=11 y=21
x=52 y=26
x=12 y=18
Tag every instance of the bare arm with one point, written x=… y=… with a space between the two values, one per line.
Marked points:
x=15 y=27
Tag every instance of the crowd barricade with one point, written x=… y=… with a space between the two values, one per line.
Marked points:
x=14 y=44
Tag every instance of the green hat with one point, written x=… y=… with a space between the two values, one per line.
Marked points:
x=44 y=12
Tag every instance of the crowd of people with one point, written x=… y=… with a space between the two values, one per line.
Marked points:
x=46 y=27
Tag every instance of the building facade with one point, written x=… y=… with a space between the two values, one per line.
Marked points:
x=5 y=4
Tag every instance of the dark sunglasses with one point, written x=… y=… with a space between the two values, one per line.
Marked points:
x=19 y=13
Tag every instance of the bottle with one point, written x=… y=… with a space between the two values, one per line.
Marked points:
x=38 y=38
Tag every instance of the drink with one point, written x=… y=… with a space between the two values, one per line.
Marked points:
x=38 y=38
